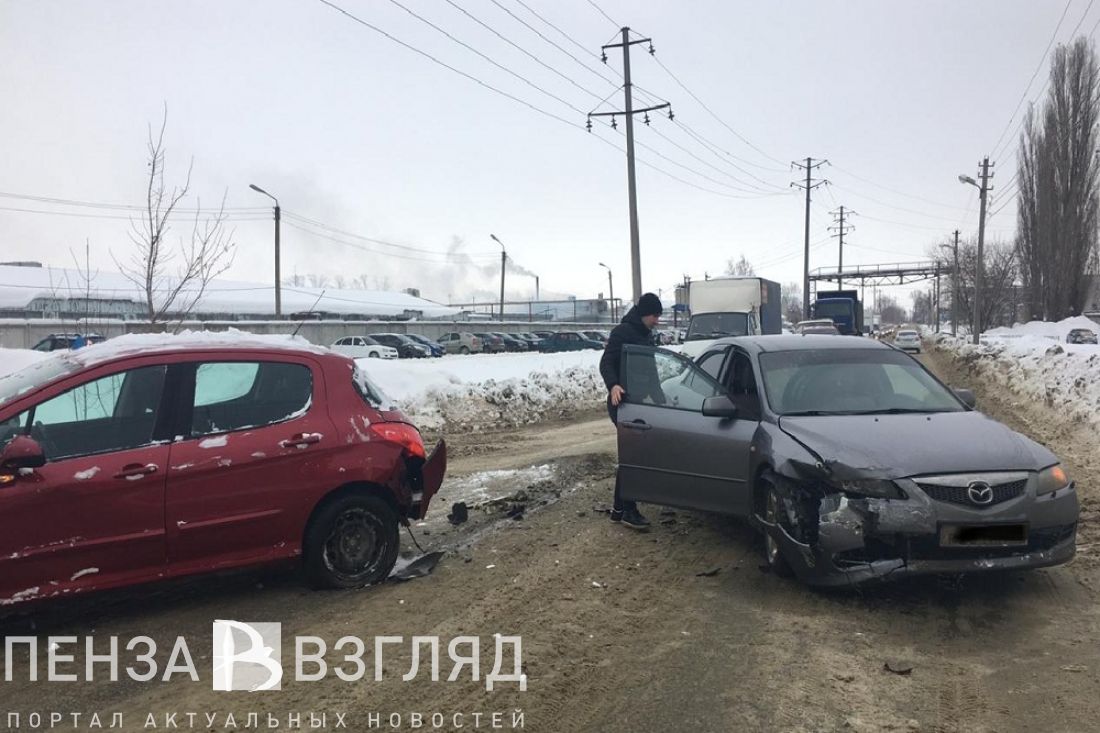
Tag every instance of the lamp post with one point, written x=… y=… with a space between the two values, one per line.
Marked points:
x=278 y=283
x=610 y=289
x=983 y=191
x=503 y=264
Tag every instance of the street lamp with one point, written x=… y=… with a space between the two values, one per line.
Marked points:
x=278 y=218
x=503 y=264
x=610 y=289
x=979 y=267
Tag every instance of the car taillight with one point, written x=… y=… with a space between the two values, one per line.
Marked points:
x=404 y=435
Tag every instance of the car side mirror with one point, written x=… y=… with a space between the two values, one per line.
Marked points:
x=22 y=452
x=967 y=397
x=720 y=406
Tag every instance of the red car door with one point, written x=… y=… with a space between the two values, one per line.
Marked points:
x=243 y=477
x=93 y=515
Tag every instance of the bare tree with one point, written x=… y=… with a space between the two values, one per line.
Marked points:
x=317 y=281
x=889 y=310
x=206 y=254
x=792 y=302
x=1059 y=179
x=740 y=268
x=1000 y=272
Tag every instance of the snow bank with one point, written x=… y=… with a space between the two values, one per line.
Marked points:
x=1033 y=361
x=490 y=390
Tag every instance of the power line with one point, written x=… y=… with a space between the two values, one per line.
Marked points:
x=119 y=207
x=131 y=217
x=891 y=206
x=895 y=191
x=601 y=12
x=520 y=48
x=758 y=189
x=565 y=35
x=692 y=94
x=483 y=56
x=445 y=65
x=321 y=225
x=1038 y=68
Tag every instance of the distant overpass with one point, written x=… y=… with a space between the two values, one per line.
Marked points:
x=900 y=273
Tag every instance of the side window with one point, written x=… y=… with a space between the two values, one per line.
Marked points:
x=240 y=395
x=654 y=377
x=741 y=386
x=113 y=413
x=711 y=363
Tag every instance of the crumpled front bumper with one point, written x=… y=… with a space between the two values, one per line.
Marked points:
x=861 y=540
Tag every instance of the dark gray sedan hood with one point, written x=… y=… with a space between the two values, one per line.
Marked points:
x=897 y=446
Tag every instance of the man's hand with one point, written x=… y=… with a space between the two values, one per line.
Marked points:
x=617 y=393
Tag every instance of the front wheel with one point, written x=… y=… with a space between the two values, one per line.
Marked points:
x=772 y=554
x=351 y=542
x=465 y=350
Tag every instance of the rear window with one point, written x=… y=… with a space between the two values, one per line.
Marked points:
x=240 y=395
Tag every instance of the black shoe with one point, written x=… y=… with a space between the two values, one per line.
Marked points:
x=616 y=515
x=633 y=518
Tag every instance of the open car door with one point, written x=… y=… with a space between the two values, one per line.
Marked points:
x=670 y=452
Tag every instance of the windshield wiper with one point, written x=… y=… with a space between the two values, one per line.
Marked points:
x=810 y=413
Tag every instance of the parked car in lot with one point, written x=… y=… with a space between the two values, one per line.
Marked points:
x=406 y=347
x=819 y=327
x=533 y=340
x=600 y=336
x=1081 y=336
x=159 y=457
x=461 y=342
x=544 y=334
x=363 y=347
x=491 y=343
x=512 y=343
x=67 y=341
x=907 y=340
x=851 y=458
x=434 y=347
x=568 y=341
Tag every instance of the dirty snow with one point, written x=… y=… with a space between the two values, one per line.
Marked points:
x=1033 y=361
x=85 y=571
x=219 y=442
x=22 y=595
x=490 y=486
x=490 y=390
x=85 y=475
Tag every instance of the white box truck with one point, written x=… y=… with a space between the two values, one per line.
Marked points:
x=731 y=306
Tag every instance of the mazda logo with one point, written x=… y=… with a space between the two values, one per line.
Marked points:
x=980 y=493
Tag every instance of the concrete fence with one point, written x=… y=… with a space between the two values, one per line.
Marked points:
x=24 y=334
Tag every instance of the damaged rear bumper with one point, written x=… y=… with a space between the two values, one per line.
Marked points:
x=860 y=540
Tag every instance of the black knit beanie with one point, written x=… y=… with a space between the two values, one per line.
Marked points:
x=649 y=305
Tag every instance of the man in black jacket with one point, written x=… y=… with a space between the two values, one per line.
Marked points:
x=636 y=328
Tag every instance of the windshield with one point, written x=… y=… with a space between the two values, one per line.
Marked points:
x=833 y=308
x=716 y=325
x=31 y=377
x=369 y=341
x=851 y=381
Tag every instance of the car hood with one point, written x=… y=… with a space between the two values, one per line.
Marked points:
x=898 y=446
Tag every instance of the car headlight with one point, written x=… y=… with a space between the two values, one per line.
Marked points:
x=876 y=488
x=1051 y=479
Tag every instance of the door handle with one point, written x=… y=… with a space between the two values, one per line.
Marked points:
x=136 y=470
x=637 y=425
x=301 y=440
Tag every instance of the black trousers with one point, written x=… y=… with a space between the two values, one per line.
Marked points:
x=619 y=504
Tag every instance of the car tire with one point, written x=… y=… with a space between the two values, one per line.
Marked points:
x=465 y=350
x=373 y=355
x=351 y=542
x=769 y=501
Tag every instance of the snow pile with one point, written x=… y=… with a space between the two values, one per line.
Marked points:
x=1033 y=361
x=490 y=390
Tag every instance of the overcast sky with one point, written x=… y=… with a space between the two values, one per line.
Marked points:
x=362 y=135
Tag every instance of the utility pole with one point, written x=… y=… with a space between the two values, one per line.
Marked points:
x=631 y=179
x=955 y=289
x=809 y=186
x=983 y=192
x=278 y=276
x=610 y=290
x=503 y=267
x=842 y=227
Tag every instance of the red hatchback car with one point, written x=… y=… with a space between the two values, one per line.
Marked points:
x=152 y=457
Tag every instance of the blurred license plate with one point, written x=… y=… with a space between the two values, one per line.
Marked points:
x=967 y=535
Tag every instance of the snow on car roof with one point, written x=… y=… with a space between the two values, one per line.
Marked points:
x=187 y=340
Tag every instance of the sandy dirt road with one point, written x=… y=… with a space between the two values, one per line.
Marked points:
x=621 y=633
